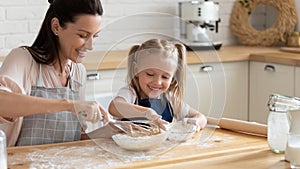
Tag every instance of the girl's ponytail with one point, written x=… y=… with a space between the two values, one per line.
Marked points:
x=130 y=67
x=179 y=79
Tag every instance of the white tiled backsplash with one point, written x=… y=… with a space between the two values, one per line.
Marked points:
x=125 y=22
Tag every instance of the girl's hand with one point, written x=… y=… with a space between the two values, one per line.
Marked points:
x=199 y=122
x=91 y=111
x=153 y=116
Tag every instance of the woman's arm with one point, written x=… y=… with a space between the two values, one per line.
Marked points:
x=106 y=131
x=14 y=105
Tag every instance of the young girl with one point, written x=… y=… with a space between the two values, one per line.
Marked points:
x=156 y=72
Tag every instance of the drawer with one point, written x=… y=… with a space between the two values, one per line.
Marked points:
x=105 y=81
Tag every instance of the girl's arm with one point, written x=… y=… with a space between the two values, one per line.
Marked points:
x=119 y=108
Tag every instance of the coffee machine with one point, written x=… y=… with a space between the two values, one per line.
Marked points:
x=196 y=19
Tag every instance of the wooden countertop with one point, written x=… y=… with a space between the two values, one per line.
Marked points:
x=116 y=59
x=101 y=60
x=219 y=149
x=285 y=58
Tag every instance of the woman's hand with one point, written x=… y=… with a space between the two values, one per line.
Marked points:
x=153 y=116
x=91 y=111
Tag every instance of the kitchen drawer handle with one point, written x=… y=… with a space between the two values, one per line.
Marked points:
x=93 y=76
x=270 y=68
x=206 y=68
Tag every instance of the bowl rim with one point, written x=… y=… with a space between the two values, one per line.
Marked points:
x=164 y=136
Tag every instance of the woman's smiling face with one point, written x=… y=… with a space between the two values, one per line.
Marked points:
x=77 y=38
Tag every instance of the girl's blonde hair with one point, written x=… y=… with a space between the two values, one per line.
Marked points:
x=168 y=49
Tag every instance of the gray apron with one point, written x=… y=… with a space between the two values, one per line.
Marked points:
x=55 y=127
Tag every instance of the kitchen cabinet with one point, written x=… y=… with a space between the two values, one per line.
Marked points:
x=265 y=79
x=297 y=82
x=104 y=82
x=219 y=89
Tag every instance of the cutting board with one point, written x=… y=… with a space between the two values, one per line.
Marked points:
x=290 y=49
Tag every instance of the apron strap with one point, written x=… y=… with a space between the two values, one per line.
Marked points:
x=70 y=79
x=73 y=83
x=40 y=77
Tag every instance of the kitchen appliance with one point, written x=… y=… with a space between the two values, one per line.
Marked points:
x=196 y=19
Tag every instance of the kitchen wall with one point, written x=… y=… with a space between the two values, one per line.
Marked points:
x=125 y=22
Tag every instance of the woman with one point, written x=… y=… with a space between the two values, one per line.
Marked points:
x=42 y=86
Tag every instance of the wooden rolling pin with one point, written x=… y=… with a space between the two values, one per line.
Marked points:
x=240 y=126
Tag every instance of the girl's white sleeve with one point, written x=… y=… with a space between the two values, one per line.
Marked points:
x=127 y=93
x=185 y=109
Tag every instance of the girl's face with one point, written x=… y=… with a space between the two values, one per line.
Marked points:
x=153 y=82
x=77 y=38
x=155 y=73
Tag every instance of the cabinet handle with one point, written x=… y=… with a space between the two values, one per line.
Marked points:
x=270 y=68
x=206 y=68
x=93 y=76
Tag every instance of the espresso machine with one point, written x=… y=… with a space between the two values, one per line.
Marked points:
x=199 y=23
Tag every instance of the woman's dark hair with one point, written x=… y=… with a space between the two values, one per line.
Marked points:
x=45 y=47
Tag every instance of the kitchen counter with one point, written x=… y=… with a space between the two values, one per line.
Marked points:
x=292 y=59
x=101 y=60
x=219 y=149
x=117 y=59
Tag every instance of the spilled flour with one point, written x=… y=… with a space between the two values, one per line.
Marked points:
x=100 y=154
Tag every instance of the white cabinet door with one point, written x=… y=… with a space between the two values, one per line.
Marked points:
x=237 y=76
x=105 y=81
x=103 y=84
x=219 y=89
x=265 y=79
x=297 y=81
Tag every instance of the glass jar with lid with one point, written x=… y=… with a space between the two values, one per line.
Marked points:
x=3 y=153
x=278 y=129
x=279 y=121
